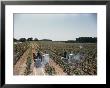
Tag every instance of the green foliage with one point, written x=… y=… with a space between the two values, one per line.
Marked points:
x=49 y=69
x=19 y=50
x=28 y=65
x=22 y=39
x=87 y=66
x=30 y=39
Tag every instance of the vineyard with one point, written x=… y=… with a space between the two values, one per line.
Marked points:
x=81 y=58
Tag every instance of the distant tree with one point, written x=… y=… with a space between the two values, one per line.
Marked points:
x=15 y=40
x=36 y=39
x=46 y=40
x=22 y=39
x=86 y=40
x=30 y=39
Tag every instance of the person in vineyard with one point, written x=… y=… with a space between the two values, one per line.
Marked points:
x=39 y=55
x=34 y=56
x=65 y=54
x=38 y=59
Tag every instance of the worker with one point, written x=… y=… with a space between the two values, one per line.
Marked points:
x=39 y=55
x=34 y=57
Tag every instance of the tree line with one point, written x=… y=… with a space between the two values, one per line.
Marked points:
x=24 y=39
x=86 y=40
x=29 y=39
x=83 y=40
x=78 y=40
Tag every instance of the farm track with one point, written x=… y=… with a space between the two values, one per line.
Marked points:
x=19 y=67
x=36 y=71
x=58 y=69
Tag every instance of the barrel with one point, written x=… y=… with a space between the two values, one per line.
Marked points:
x=46 y=58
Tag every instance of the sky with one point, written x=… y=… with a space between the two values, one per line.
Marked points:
x=57 y=27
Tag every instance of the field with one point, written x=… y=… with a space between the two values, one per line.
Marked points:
x=81 y=58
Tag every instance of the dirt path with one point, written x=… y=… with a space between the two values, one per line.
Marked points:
x=36 y=71
x=19 y=67
x=58 y=69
